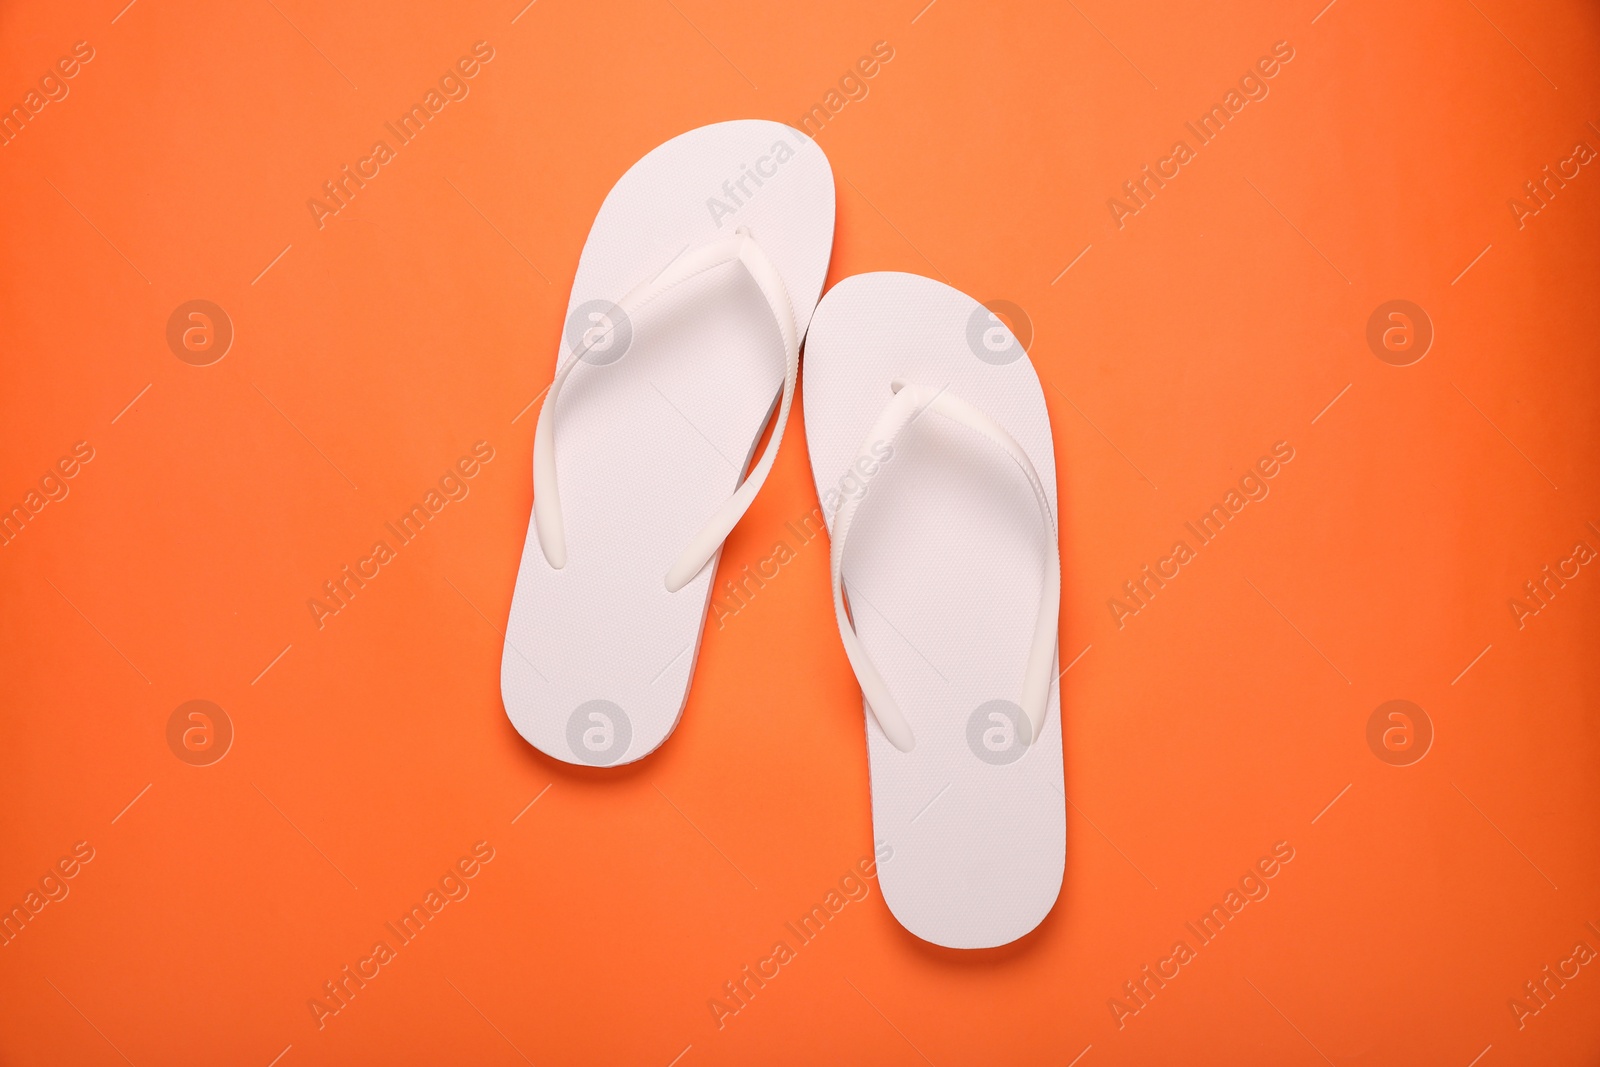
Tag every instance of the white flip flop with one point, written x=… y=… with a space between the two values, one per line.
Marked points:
x=691 y=297
x=931 y=448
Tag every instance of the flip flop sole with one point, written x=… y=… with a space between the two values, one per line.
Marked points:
x=657 y=434
x=943 y=569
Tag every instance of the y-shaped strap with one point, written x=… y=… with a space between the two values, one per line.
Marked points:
x=909 y=402
x=547 y=498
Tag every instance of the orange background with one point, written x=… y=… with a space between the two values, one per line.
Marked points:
x=369 y=755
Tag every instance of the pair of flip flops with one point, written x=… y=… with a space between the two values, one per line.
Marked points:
x=931 y=448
